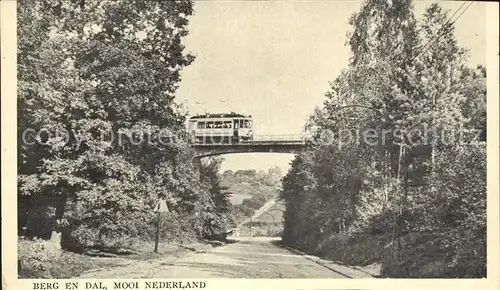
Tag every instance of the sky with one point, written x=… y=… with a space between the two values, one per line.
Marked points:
x=274 y=60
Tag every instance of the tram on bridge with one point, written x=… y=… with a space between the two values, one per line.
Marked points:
x=227 y=128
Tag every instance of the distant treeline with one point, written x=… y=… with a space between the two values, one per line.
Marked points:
x=261 y=186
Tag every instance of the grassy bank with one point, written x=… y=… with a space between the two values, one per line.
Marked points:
x=43 y=259
x=414 y=255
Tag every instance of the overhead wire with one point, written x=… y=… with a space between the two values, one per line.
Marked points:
x=438 y=34
x=466 y=8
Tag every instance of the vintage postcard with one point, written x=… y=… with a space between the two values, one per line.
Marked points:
x=280 y=144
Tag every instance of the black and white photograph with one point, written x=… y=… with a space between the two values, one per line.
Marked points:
x=179 y=141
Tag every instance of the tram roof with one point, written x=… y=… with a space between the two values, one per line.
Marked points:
x=220 y=115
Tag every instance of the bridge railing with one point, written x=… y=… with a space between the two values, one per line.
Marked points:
x=271 y=138
x=275 y=139
x=292 y=139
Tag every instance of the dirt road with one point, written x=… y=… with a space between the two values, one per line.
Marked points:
x=245 y=258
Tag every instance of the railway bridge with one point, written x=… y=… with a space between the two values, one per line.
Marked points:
x=264 y=143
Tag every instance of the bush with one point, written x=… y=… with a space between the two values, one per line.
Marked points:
x=42 y=259
x=276 y=230
x=176 y=228
x=258 y=232
x=35 y=258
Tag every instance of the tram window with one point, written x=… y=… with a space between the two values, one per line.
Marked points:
x=201 y=125
x=236 y=124
x=247 y=124
x=210 y=124
x=227 y=124
x=218 y=125
x=241 y=124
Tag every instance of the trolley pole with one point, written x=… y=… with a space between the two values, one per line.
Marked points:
x=251 y=236
x=159 y=209
x=157 y=236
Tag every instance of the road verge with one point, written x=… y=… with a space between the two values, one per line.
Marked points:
x=335 y=266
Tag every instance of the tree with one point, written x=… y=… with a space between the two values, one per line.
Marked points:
x=219 y=197
x=403 y=80
x=105 y=74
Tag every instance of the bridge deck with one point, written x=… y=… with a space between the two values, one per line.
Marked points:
x=249 y=143
x=276 y=144
x=261 y=140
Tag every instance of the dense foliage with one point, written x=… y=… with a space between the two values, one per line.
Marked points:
x=100 y=136
x=413 y=197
